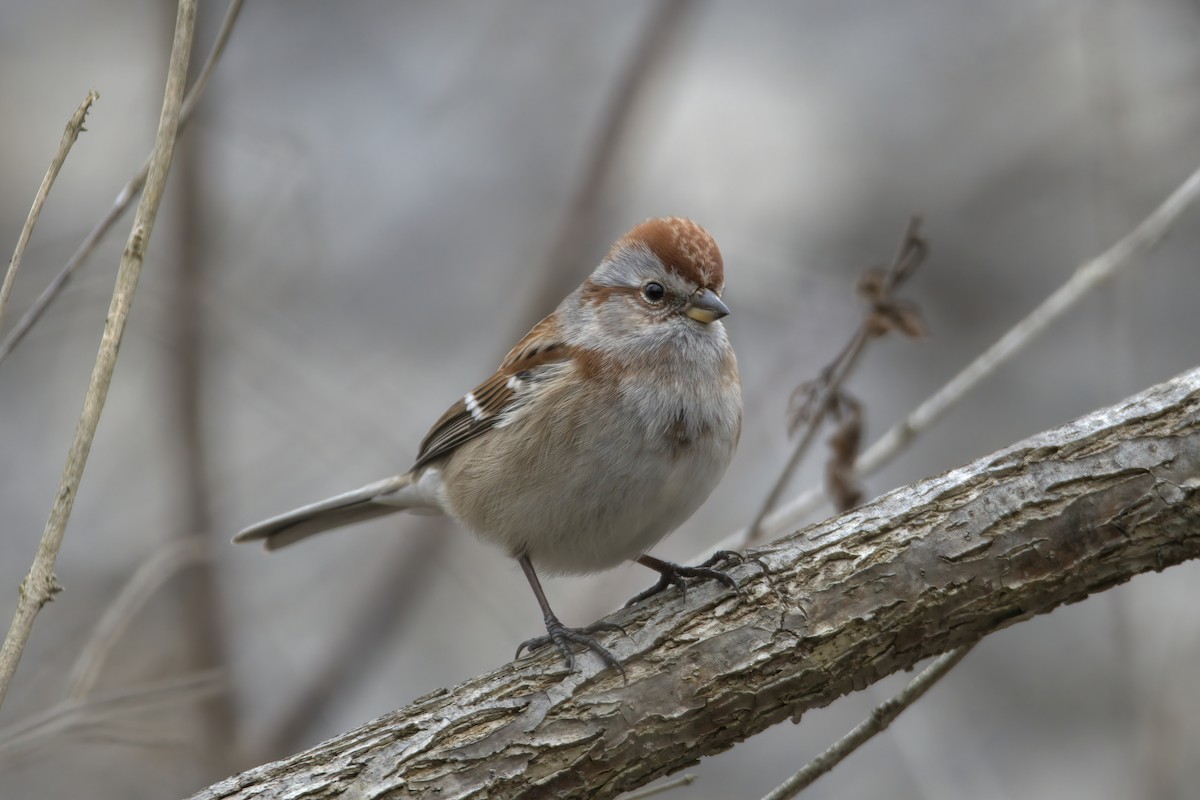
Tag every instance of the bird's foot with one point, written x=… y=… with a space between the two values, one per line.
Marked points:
x=670 y=574
x=563 y=637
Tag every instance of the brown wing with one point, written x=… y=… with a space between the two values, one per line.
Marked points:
x=481 y=409
x=470 y=416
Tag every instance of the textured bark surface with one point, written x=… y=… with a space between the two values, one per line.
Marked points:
x=824 y=612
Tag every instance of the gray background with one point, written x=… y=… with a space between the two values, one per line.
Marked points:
x=374 y=191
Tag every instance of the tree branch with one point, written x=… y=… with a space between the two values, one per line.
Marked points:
x=74 y=126
x=826 y=611
x=880 y=718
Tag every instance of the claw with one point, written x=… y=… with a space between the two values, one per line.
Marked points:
x=666 y=580
x=676 y=574
x=562 y=637
x=721 y=556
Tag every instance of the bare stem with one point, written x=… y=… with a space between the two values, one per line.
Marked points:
x=40 y=585
x=655 y=791
x=573 y=240
x=124 y=198
x=908 y=255
x=105 y=711
x=881 y=716
x=155 y=571
x=837 y=377
x=74 y=126
x=204 y=645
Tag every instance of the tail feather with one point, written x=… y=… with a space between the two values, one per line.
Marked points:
x=373 y=500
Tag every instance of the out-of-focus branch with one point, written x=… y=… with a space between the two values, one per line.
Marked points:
x=124 y=198
x=1087 y=277
x=203 y=643
x=881 y=717
x=40 y=585
x=655 y=791
x=820 y=397
x=80 y=711
x=572 y=247
x=149 y=577
x=921 y=571
x=104 y=713
x=74 y=126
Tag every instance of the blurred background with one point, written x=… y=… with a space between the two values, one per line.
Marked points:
x=376 y=199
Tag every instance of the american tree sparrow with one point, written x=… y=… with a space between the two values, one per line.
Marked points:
x=602 y=431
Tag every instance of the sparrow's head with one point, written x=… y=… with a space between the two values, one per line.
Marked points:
x=665 y=270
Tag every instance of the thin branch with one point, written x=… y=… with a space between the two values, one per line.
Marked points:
x=204 y=645
x=74 y=126
x=573 y=242
x=881 y=717
x=124 y=198
x=141 y=586
x=843 y=367
x=1087 y=277
x=655 y=791
x=822 y=393
x=104 y=711
x=77 y=711
x=40 y=585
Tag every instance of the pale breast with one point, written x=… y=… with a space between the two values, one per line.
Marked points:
x=582 y=486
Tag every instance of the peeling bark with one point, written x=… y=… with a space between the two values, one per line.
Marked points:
x=823 y=612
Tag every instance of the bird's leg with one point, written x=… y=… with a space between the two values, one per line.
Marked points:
x=670 y=574
x=560 y=634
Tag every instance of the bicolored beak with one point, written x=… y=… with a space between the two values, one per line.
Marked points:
x=706 y=307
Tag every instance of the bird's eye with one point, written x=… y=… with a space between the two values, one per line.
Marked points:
x=654 y=292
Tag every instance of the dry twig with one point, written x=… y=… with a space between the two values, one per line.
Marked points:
x=40 y=585
x=655 y=791
x=74 y=126
x=124 y=198
x=841 y=482
x=204 y=644
x=149 y=577
x=105 y=712
x=826 y=394
x=881 y=717
x=812 y=400
x=79 y=710
x=574 y=240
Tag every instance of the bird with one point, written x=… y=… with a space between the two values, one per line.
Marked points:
x=602 y=431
